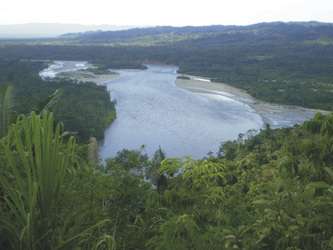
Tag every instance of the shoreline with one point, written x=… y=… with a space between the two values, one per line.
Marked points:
x=86 y=76
x=195 y=84
x=83 y=75
x=203 y=85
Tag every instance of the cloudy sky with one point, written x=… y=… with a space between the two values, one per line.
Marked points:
x=168 y=12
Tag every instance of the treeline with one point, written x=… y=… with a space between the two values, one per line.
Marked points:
x=84 y=108
x=273 y=190
x=287 y=63
x=102 y=56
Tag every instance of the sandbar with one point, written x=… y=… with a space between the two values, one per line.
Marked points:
x=194 y=84
x=203 y=85
x=87 y=76
x=84 y=75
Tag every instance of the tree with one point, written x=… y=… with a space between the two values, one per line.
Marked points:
x=127 y=195
x=158 y=180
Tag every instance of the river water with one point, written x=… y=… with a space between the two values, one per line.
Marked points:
x=153 y=111
x=62 y=67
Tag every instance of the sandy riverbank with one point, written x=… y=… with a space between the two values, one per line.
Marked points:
x=205 y=86
x=194 y=84
x=83 y=75
x=86 y=76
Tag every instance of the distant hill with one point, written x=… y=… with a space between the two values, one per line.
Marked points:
x=45 y=30
x=206 y=35
x=288 y=63
x=149 y=31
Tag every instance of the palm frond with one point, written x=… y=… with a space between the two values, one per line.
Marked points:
x=93 y=151
x=49 y=103
x=38 y=161
x=7 y=105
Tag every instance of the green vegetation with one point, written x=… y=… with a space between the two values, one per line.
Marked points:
x=88 y=73
x=183 y=77
x=7 y=104
x=84 y=108
x=98 y=71
x=272 y=190
x=37 y=170
x=289 y=63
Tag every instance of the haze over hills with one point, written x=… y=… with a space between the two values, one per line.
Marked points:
x=40 y=30
x=214 y=34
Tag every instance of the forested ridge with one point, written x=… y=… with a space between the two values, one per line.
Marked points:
x=289 y=63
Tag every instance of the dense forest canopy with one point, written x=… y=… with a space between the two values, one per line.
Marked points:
x=273 y=190
x=288 y=63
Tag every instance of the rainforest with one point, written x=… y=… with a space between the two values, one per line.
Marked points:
x=268 y=190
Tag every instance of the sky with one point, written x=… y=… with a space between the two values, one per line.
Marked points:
x=168 y=12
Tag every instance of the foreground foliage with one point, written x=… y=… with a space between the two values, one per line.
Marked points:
x=33 y=179
x=273 y=190
x=276 y=193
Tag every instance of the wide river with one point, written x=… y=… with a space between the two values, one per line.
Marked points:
x=153 y=111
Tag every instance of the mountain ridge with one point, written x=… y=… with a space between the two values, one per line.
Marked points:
x=139 y=34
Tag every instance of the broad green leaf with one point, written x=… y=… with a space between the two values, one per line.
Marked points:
x=230 y=237
x=319 y=184
x=261 y=201
x=329 y=171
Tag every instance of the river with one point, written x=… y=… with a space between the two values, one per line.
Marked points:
x=153 y=111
